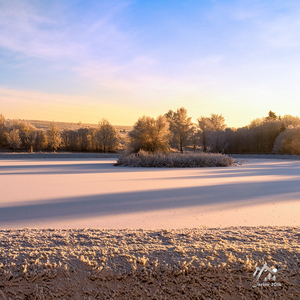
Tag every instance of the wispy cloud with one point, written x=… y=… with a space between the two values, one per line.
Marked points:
x=29 y=33
x=35 y=32
x=94 y=46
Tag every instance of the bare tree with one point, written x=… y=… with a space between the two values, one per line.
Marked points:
x=54 y=137
x=107 y=136
x=150 y=134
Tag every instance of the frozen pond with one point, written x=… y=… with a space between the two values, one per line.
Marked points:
x=92 y=192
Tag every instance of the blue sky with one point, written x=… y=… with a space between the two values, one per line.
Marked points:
x=88 y=60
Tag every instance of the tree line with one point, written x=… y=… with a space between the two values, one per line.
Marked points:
x=172 y=131
x=23 y=135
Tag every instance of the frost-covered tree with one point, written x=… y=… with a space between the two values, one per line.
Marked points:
x=195 y=137
x=26 y=132
x=217 y=122
x=212 y=132
x=54 y=137
x=92 y=136
x=3 y=131
x=83 y=139
x=217 y=141
x=180 y=128
x=289 y=120
x=13 y=139
x=40 y=140
x=149 y=134
x=288 y=142
x=73 y=140
x=107 y=136
x=204 y=125
x=256 y=122
x=2 y=121
x=65 y=139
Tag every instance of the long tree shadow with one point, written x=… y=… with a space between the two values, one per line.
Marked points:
x=288 y=169
x=122 y=203
x=71 y=168
x=85 y=167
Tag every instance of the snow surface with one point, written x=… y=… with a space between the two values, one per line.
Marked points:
x=93 y=193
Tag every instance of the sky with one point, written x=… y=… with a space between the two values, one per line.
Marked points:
x=70 y=60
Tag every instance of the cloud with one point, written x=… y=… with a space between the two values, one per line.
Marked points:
x=59 y=33
x=29 y=33
x=90 y=44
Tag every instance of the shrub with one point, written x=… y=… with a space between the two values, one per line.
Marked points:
x=175 y=160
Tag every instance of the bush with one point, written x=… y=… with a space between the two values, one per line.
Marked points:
x=175 y=160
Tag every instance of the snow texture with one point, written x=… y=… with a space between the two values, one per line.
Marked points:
x=181 y=264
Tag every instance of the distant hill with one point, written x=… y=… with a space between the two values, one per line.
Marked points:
x=68 y=126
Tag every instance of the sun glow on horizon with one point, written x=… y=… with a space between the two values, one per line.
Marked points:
x=120 y=60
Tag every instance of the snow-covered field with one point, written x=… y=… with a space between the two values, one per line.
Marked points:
x=151 y=260
x=93 y=193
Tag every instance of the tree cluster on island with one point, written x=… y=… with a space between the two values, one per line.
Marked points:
x=172 y=131
x=175 y=130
